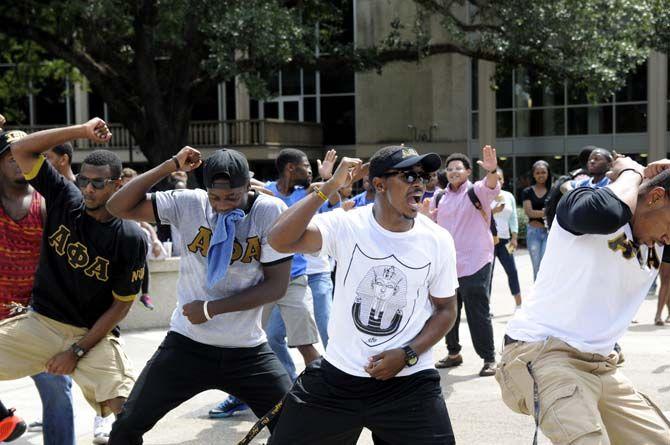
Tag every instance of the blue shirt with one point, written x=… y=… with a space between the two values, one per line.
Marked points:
x=587 y=183
x=360 y=200
x=299 y=265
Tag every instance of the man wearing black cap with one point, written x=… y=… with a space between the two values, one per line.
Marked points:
x=227 y=273
x=394 y=299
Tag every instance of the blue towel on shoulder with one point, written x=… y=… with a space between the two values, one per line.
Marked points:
x=221 y=246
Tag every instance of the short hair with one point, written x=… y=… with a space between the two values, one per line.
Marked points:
x=660 y=180
x=442 y=180
x=584 y=154
x=603 y=152
x=128 y=173
x=105 y=157
x=64 y=149
x=459 y=157
x=289 y=156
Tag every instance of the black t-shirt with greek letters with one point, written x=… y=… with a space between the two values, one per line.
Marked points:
x=84 y=264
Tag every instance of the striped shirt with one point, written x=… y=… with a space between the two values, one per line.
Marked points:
x=19 y=254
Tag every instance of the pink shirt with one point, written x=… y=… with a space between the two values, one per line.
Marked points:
x=471 y=233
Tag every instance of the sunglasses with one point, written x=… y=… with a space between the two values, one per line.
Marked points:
x=97 y=183
x=411 y=177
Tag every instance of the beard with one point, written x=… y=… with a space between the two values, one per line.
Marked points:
x=304 y=182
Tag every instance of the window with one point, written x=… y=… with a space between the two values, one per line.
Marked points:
x=51 y=103
x=337 y=116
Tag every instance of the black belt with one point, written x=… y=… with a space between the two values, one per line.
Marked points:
x=509 y=340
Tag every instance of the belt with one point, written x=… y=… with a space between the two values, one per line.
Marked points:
x=509 y=340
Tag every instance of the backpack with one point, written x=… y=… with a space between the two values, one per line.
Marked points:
x=478 y=205
x=553 y=198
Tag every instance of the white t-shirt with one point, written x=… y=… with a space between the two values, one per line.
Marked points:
x=506 y=220
x=382 y=285
x=589 y=286
x=191 y=214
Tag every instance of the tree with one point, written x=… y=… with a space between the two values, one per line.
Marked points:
x=592 y=43
x=151 y=61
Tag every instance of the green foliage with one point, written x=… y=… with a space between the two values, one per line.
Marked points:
x=592 y=43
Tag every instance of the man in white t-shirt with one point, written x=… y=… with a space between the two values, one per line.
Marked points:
x=603 y=252
x=227 y=273
x=394 y=299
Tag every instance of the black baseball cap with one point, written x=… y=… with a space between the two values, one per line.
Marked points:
x=7 y=137
x=401 y=158
x=230 y=163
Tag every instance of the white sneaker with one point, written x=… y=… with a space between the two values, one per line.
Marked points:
x=101 y=429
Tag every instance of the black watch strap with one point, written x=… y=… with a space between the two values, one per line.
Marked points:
x=78 y=351
x=411 y=358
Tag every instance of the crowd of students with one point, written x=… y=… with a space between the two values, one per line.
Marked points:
x=414 y=247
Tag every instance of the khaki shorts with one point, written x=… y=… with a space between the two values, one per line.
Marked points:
x=28 y=341
x=297 y=311
x=584 y=399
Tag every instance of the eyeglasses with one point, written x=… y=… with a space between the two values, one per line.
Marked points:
x=97 y=183
x=411 y=177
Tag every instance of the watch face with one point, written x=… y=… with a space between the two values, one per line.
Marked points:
x=412 y=361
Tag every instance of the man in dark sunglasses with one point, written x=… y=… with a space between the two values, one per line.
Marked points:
x=394 y=299
x=90 y=270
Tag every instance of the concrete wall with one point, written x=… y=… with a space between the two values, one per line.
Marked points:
x=422 y=104
x=163 y=291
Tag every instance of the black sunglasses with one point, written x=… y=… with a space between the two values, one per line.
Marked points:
x=411 y=177
x=97 y=183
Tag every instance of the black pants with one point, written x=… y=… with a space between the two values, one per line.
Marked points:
x=329 y=407
x=182 y=368
x=507 y=261
x=473 y=293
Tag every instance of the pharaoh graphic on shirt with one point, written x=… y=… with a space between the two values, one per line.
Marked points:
x=382 y=305
x=384 y=284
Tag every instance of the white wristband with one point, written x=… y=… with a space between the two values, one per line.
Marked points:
x=204 y=309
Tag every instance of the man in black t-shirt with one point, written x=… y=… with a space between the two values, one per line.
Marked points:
x=91 y=268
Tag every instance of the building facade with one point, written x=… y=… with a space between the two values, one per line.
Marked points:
x=444 y=104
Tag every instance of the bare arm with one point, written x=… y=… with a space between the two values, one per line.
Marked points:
x=566 y=187
x=65 y=362
x=489 y=162
x=626 y=183
x=26 y=150
x=132 y=200
x=528 y=209
x=292 y=231
x=389 y=363
x=272 y=288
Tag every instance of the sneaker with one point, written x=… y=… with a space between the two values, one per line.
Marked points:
x=11 y=427
x=145 y=299
x=102 y=426
x=227 y=408
x=450 y=361
x=488 y=370
x=35 y=427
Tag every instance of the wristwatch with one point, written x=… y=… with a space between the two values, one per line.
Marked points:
x=78 y=351
x=411 y=358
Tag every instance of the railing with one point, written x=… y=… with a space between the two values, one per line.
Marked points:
x=257 y=132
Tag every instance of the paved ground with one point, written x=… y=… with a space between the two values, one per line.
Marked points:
x=477 y=412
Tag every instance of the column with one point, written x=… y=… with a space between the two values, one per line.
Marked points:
x=657 y=105
x=487 y=104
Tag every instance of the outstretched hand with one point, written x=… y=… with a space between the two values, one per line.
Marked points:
x=489 y=161
x=97 y=131
x=325 y=168
x=349 y=171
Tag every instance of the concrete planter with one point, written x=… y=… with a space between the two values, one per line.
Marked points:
x=163 y=291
